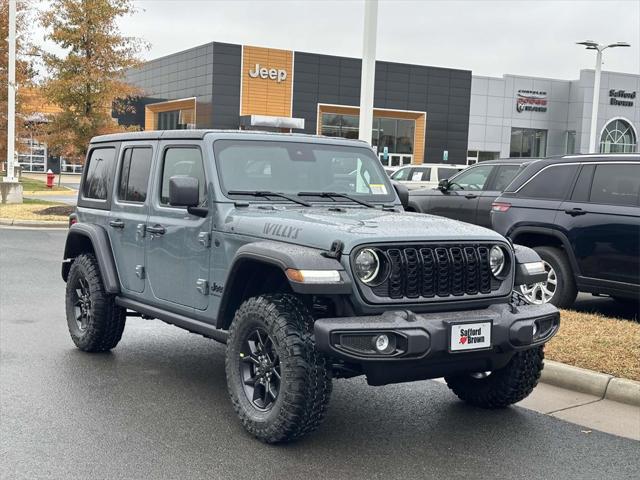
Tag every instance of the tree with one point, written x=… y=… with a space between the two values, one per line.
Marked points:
x=88 y=82
x=25 y=72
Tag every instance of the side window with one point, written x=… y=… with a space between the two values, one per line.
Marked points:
x=183 y=161
x=134 y=174
x=616 y=184
x=504 y=176
x=421 y=175
x=472 y=178
x=446 y=173
x=98 y=177
x=402 y=174
x=583 y=184
x=551 y=183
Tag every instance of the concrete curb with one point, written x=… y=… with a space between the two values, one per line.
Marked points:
x=10 y=222
x=590 y=382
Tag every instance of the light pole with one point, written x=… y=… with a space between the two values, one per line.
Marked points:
x=367 y=82
x=591 y=45
x=11 y=98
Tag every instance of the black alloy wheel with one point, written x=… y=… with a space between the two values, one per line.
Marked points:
x=82 y=304
x=260 y=369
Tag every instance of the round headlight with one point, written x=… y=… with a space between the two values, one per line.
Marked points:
x=496 y=260
x=367 y=265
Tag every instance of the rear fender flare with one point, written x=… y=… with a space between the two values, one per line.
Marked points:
x=86 y=237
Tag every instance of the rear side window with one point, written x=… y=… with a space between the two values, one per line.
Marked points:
x=616 y=185
x=99 y=169
x=182 y=161
x=134 y=174
x=504 y=176
x=551 y=183
x=421 y=175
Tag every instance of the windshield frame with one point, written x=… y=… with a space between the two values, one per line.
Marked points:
x=389 y=198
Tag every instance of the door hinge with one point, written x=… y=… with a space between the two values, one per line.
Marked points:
x=204 y=239
x=141 y=230
x=202 y=286
x=140 y=273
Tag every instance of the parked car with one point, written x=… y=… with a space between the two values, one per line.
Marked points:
x=265 y=243
x=468 y=195
x=425 y=175
x=582 y=215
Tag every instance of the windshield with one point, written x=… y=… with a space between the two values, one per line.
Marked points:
x=291 y=168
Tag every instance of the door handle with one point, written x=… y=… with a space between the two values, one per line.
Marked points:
x=116 y=224
x=156 y=230
x=471 y=196
x=574 y=212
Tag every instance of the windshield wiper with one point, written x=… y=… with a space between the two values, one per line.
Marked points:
x=334 y=195
x=266 y=193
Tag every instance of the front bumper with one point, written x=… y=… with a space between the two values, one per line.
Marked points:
x=422 y=340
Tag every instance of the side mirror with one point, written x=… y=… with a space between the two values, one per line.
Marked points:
x=403 y=193
x=184 y=192
x=444 y=184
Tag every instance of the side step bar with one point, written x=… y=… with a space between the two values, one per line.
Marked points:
x=176 y=319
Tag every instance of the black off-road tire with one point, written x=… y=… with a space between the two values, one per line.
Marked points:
x=503 y=387
x=566 y=290
x=104 y=325
x=305 y=385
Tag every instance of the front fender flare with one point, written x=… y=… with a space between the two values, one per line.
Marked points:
x=283 y=256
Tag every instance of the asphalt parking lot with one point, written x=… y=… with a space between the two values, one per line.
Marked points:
x=156 y=407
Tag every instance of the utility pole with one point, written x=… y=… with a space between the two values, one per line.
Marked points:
x=11 y=98
x=367 y=82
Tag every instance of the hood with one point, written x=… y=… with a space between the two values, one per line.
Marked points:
x=319 y=226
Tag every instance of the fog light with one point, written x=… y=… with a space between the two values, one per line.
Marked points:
x=382 y=343
x=385 y=343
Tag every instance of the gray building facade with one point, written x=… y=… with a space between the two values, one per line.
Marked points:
x=421 y=113
x=521 y=116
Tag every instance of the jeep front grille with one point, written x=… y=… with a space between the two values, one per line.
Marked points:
x=436 y=271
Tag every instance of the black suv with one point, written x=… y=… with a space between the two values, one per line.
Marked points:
x=582 y=215
x=468 y=195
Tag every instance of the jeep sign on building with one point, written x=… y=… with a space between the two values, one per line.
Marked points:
x=421 y=113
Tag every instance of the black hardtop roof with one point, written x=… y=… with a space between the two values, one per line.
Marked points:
x=201 y=133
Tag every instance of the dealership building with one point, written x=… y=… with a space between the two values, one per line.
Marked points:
x=421 y=113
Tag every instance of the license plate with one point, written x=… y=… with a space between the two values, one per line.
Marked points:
x=470 y=336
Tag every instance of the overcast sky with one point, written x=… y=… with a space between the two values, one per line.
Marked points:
x=488 y=37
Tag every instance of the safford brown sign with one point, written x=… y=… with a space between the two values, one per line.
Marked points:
x=531 y=101
x=621 y=98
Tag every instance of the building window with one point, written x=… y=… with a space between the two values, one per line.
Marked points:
x=570 y=142
x=618 y=137
x=176 y=120
x=32 y=155
x=394 y=133
x=475 y=156
x=528 y=142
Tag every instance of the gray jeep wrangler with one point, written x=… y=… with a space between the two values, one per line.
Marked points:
x=295 y=251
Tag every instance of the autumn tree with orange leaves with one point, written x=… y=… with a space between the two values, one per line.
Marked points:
x=87 y=82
